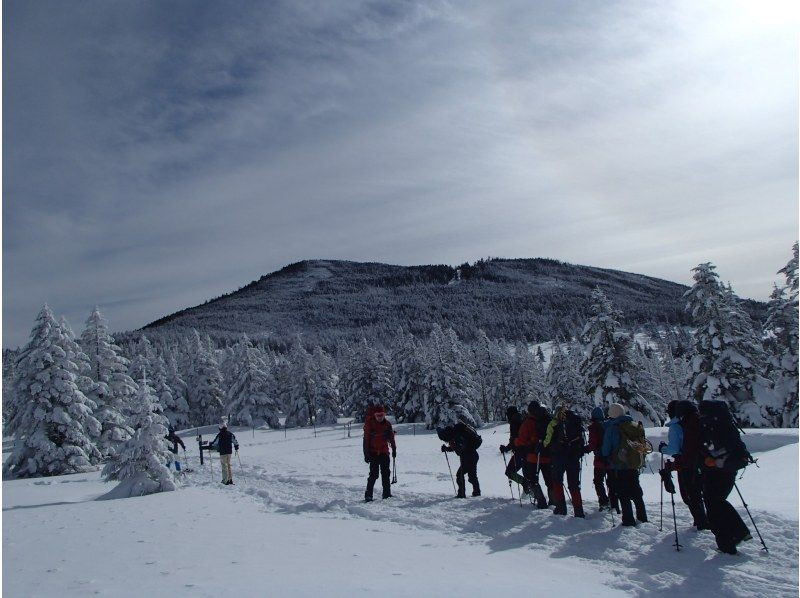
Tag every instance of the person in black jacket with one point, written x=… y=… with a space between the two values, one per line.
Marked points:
x=517 y=460
x=175 y=440
x=464 y=442
x=225 y=442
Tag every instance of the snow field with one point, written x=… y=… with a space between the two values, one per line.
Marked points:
x=295 y=524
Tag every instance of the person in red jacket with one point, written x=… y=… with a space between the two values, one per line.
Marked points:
x=529 y=442
x=596 y=429
x=378 y=436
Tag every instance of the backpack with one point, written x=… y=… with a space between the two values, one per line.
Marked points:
x=719 y=435
x=542 y=416
x=569 y=434
x=472 y=439
x=633 y=446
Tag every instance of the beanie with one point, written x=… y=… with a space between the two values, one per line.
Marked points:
x=597 y=413
x=615 y=410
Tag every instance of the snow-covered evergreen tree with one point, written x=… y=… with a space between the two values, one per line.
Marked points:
x=326 y=392
x=527 y=378
x=448 y=391
x=176 y=407
x=563 y=380
x=114 y=391
x=250 y=402
x=9 y=373
x=301 y=393
x=369 y=381
x=782 y=332
x=408 y=379
x=53 y=421
x=206 y=398
x=608 y=367
x=492 y=390
x=727 y=352
x=140 y=463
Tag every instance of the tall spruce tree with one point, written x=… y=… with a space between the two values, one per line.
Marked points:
x=53 y=421
x=250 y=402
x=206 y=398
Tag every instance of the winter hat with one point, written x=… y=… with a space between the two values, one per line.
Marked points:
x=511 y=410
x=533 y=407
x=671 y=408
x=379 y=410
x=597 y=413
x=615 y=410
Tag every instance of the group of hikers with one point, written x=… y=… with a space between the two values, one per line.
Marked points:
x=704 y=445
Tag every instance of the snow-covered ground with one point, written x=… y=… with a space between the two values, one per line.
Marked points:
x=295 y=525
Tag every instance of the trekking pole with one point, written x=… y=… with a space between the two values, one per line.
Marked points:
x=510 y=488
x=661 y=518
x=446 y=458
x=677 y=544
x=241 y=469
x=394 y=469
x=751 y=517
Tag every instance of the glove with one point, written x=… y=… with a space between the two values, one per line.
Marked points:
x=661 y=445
x=503 y=448
x=394 y=454
x=445 y=448
x=366 y=458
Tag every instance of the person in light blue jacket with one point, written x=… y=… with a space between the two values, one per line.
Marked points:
x=624 y=478
x=674 y=433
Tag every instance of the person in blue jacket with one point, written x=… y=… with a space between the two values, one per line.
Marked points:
x=624 y=478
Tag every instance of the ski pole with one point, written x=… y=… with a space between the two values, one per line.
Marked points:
x=241 y=469
x=446 y=458
x=394 y=469
x=751 y=517
x=510 y=488
x=661 y=518
x=677 y=544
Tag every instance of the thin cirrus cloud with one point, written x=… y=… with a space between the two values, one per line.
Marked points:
x=158 y=154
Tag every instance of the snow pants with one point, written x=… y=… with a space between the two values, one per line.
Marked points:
x=376 y=462
x=691 y=487
x=225 y=463
x=601 y=480
x=625 y=483
x=515 y=463
x=531 y=471
x=572 y=467
x=468 y=467
x=723 y=519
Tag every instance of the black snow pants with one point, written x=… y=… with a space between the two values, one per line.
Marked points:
x=468 y=467
x=691 y=487
x=625 y=483
x=723 y=519
x=599 y=480
x=376 y=462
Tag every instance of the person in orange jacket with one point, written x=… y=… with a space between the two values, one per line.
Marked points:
x=378 y=436
x=529 y=442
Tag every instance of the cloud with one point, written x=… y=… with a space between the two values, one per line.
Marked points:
x=157 y=155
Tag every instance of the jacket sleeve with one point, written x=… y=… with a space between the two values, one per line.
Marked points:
x=234 y=441
x=674 y=440
x=367 y=434
x=523 y=439
x=593 y=443
x=216 y=438
x=551 y=427
x=183 y=446
x=391 y=439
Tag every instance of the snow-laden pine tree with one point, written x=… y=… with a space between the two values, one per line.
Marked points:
x=176 y=411
x=369 y=381
x=114 y=391
x=141 y=360
x=140 y=463
x=608 y=368
x=326 y=391
x=250 y=402
x=563 y=382
x=408 y=378
x=492 y=390
x=448 y=390
x=727 y=352
x=527 y=377
x=301 y=393
x=53 y=421
x=206 y=397
x=782 y=332
x=9 y=373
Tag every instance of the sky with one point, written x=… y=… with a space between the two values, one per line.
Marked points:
x=159 y=154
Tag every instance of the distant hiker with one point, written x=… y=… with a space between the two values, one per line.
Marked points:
x=464 y=442
x=517 y=460
x=724 y=454
x=594 y=445
x=623 y=445
x=226 y=443
x=175 y=440
x=683 y=444
x=564 y=438
x=378 y=436
x=537 y=457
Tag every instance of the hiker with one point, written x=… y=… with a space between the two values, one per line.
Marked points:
x=378 y=435
x=463 y=441
x=596 y=429
x=175 y=440
x=624 y=462
x=537 y=458
x=226 y=443
x=517 y=460
x=564 y=438
x=723 y=455
x=683 y=445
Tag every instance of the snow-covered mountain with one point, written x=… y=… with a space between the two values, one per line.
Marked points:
x=515 y=299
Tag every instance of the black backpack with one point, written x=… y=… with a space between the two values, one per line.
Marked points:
x=543 y=418
x=720 y=438
x=473 y=440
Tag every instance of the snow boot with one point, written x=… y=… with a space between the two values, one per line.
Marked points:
x=461 y=494
x=541 y=501
x=577 y=503
x=559 y=500
x=476 y=489
x=387 y=495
